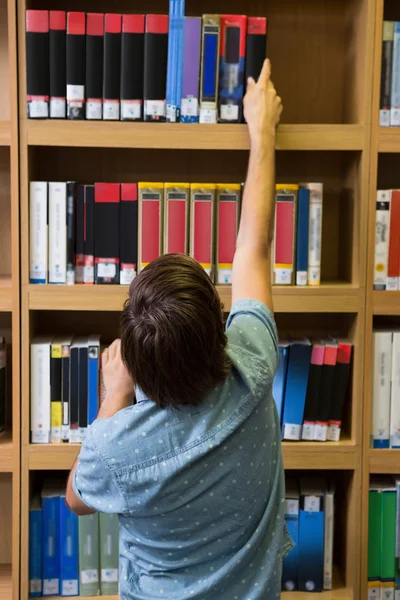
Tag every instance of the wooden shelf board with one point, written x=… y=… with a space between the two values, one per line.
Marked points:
x=6 y=453
x=339 y=593
x=5 y=133
x=5 y=294
x=384 y=461
x=301 y=455
x=389 y=139
x=5 y=582
x=326 y=298
x=101 y=134
x=386 y=303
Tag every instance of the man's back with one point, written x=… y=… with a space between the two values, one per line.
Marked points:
x=199 y=490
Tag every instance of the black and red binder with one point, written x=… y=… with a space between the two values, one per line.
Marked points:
x=340 y=384
x=132 y=60
x=155 y=67
x=256 y=46
x=37 y=64
x=57 y=64
x=128 y=233
x=106 y=232
x=76 y=28
x=112 y=67
x=88 y=270
x=94 y=65
x=80 y=233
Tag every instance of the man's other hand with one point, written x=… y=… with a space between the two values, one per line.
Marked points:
x=119 y=387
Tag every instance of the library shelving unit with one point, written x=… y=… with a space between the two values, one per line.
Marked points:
x=9 y=304
x=322 y=57
x=382 y=307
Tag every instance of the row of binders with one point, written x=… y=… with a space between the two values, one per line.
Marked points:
x=65 y=388
x=309 y=516
x=70 y=555
x=389 y=107
x=310 y=388
x=141 y=67
x=386 y=390
x=384 y=538
x=387 y=240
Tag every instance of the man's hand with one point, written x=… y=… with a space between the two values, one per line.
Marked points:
x=118 y=384
x=262 y=106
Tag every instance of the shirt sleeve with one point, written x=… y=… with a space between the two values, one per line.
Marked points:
x=253 y=339
x=94 y=481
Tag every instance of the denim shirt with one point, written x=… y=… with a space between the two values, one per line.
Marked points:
x=199 y=491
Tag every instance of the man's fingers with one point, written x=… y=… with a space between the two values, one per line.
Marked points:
x=104 y=357
x=265 y=73
x=114 y=349
x=250 y=83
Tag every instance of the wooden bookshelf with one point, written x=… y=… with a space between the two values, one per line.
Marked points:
x=386 y=303
x=388 y=138
x=6 y=453
x=384 y=462
x=5 y=133
x=6 y=297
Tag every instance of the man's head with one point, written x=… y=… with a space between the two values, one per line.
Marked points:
x=172 y=332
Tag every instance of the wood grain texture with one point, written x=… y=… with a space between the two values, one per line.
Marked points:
x=6 y=300
x=383 y=461
x=6 y=454
x=386 y=303
x=5 y=133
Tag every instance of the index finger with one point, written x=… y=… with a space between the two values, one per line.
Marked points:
x=265 y=74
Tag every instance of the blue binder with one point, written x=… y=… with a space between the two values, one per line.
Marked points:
x=279 y=385
x=311 y=542
x=69 y=551
x=51 y=541
x=296 y=388
x=35 y=549
x=303 y=217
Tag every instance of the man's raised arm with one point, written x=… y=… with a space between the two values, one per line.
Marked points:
x=252 y=264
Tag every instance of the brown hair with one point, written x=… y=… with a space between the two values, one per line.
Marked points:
x=173 y=340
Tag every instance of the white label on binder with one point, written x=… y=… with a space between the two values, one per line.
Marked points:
x=57 y=108
x=321 y=432
x=301 y=277
x=291 y=432
x=109 y=575
x=106 y=270
x=76 y=94
x=69 y=587
x=190 y=107
x=224 y=276
x=312 y=503
x=283 y=276
x=384 y=118
x=38 y=109
x=154 y=108
x=229 y=112
x=89 y=576
x=111 y=110
x=308 y=432
x=94 y=109
x=291 y=506
x=171 y=113
x=126 y=276
x=208 y=116
x=131 y=110
x=50 y=587
x=35 y=586
x=333 y=433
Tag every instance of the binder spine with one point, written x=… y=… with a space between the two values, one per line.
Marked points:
x=209 y=76
x=394 y=243
x=55 y=390
x=80 y=234
x=51 y=544
x=279 y=383
x=3 y=360
x=76 y=29
x=290 y=563
x=107 y=234
x=94 y=65
x=228 y=214
x=74 y=437
x=155 y=67
x=179 y=68
x=329 y=510
x=132 y=61
x=172 y=61
x=340 y=388
x=129 y=233
x=89 y=555
x=313 y=386
x=202 y=212
x=191 y=70
x=57 y=233
x=65 y=387
x=69 y=551
x=303 y=218
x=88 y=268
x=35 y=553
x=37 y=64
x=109 y=534
x=395 y=97
x=40 y=392
x=296 y=389
x=395 y=393
x=57 y=64
x=326 y=391
x=93 y=378
x=232 y=59
x=382 y=349
x=83 y=391
x=285 y=234
x=70 y=233
x=176 y=218
x=112 y=67
x=151 y=200
x=382 y=229
x=256 y=46
x=315 y=233
x=386 y=73
x=38 y=232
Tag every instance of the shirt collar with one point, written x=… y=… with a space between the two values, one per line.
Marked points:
x=140 y=395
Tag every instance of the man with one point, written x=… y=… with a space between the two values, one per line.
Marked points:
x=194 y=468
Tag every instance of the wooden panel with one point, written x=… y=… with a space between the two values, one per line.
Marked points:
x=5 y=212
x=386 y=303
x=5 y=582
x=202 y=137
x=389 y=139
x=384 y=461
x=5 y=293
x=6 y=454
x=4 y=64
x=5 y=133
x=6 y=519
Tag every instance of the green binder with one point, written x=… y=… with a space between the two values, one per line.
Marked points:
x=89 y=555
x=374 y=539
x=109 y=555
x=388 y=537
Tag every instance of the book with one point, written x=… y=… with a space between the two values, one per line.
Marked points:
x=37 y=63
x=256 y=46
x=89 y=555
x=232 y=68
x=395 y=392
x=228 y=216
x=290 y=563
x=176 y=218
x=38 y=232
x=296 y=388
x=69 y=550
x=129 y=217
x=191 y=70
x=132 y=63
x=109 y=559
x=40 y=390
x=326 y=391
x=202 y=229
x=88 y=268
x=51 y=539
x=57 y=55
x=386 y=73
x=395 y=95
x=313 y=391
x=3 y=382
x=180 y=23
x=382 y=228
x=76 y=33
x=311 y=536
x=75 y=389
x=94 y=65
x=209 y=70
x=151 y=206
x=388 y=539
x=155 y=67
x=393 y=270
x=329 y=526
x=55 y=390
x=172 y=61
x=112 y=67
x=57 y=232
x=106 y=232
x=340 y=385
x=93 y=377
x=382 y=353
x=79 y=233
x=315 y=232
x=284 y=246
x=302 y=236
x=70 y=232
x=65 y=387
x=35 y=547
x=83 y=404
x=279 y=383
x=374 y=539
